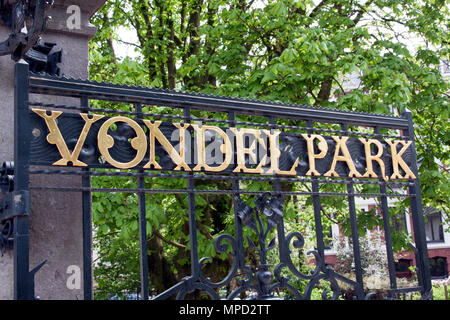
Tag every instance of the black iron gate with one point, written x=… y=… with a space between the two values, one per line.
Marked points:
x=42 y=130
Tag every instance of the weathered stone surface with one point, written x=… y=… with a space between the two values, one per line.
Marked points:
x=56 y=219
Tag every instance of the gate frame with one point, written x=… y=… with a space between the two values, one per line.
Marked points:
x=26 y=83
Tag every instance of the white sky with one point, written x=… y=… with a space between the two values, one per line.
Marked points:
x=125 y=50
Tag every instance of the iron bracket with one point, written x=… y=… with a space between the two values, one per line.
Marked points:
x=16 y=203
x=18 y=14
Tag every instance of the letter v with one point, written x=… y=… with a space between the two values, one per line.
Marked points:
x=55 y=136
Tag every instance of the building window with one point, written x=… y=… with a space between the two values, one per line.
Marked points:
x=402 y=268
x=433 y=227
x=438 y=267
x=399 y=222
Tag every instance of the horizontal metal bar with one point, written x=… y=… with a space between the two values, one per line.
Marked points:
x=205 y=120
x=102 y=110
x=102 y=91
x=213 y=177
x=178 y=191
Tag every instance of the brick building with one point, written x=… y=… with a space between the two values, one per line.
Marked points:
x=438 y=241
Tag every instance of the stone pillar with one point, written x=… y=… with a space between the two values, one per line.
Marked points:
x=56 y=218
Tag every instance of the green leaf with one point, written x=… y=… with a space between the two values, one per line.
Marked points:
x=268 y=76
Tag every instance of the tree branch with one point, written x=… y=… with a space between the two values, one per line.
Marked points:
x=129 y=43
x=315 y=11
x=174 y=243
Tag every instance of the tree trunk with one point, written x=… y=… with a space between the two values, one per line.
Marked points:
x=161 y=275
x=325 y=90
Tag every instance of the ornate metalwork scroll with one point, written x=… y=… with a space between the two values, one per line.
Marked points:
x=263 y=281
x=27 y=20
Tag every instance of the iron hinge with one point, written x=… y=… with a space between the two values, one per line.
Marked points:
x=16 y=203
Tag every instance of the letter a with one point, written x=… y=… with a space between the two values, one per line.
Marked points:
x=346 y=157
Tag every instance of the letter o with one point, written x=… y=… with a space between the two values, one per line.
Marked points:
x=106 y=142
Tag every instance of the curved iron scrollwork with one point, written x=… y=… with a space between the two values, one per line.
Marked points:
x=27 y=19
x=6 y=234
x=7 y=177
x=6 y=186
x=262 y=281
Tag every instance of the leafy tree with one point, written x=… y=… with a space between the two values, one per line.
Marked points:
x=300 y=52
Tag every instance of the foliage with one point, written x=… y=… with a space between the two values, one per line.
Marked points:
x=373 y=255
x=439 y=292
x=292 y=51
x=373 y=263
x=118 y=261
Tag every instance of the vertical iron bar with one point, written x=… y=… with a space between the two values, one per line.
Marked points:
x=87 y=224
x=317 y=214
x=142 y=226
x=195 y=268
x=387 y=231
x=424 y=275
x=23 y=280
x=355 y=236
x=280 y=226
x=237 y=221
x=276 y=184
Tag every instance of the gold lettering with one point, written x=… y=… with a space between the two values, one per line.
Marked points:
x=275 y=155
x=398 y=160
x=225 y=148
x=241 y=151
x=55 y=137
x=342 y=146
x=370 y=158
x=268 y=139
x=323 y=147
x=106 y=142
x=178 y=158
